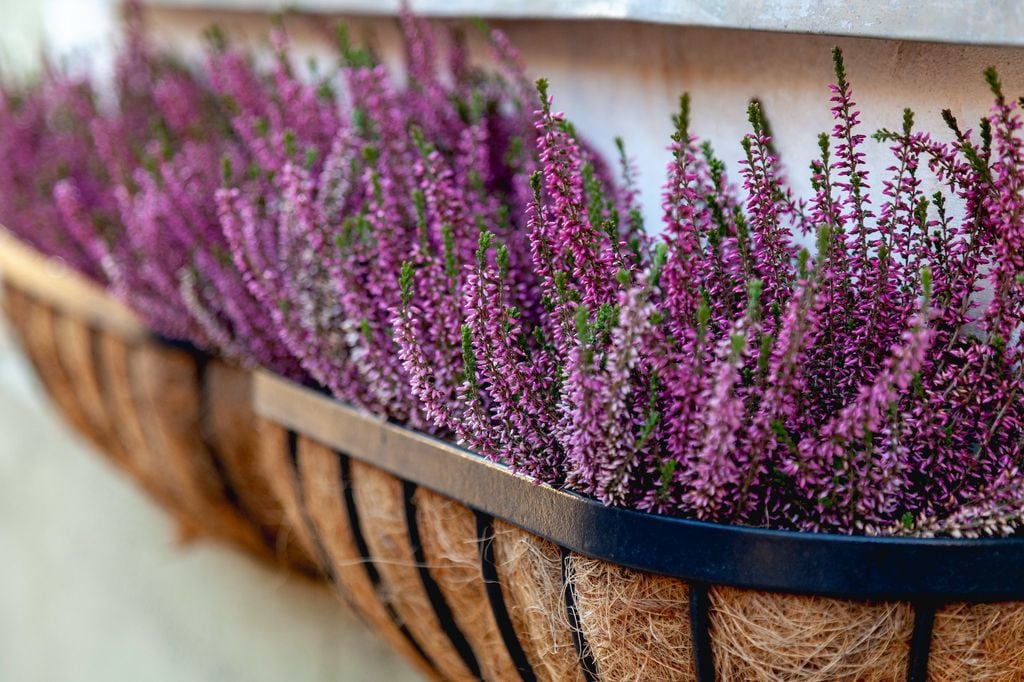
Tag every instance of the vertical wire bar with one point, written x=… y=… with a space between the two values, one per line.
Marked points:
x=323 y=558
x=203 y=410
x=921 y=641
x=441 y=609
x=300 y=499
x=492 y=585
x=359 y=540
x=700 y=632
x=100 y=369
x=588 y=666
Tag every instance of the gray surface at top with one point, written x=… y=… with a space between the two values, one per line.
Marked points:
x=986 y=22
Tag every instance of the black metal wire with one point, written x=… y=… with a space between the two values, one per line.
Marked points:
x=492 y=585
x=372 y=574
x=588 y=666
x=700 y=633
x=441 y=609
x=322 y=557
x=921 y=641
x=841 y=566
x=227 y=488
x=325 y=559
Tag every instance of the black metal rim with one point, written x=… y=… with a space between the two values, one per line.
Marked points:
x=939 y=569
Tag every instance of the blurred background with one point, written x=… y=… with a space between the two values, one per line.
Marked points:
x=94 y=585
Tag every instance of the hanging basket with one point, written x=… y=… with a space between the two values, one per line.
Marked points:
x=176 y=421
x=472 y=571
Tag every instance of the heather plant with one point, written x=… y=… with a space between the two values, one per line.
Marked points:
x=409 y=175
x=435 y=252
x=514 y=303
x=162 y=191
x=122 y=187
x=725 y=374
x=178 y=195
x=44 y=139
x=157 y=233
x=147 y=104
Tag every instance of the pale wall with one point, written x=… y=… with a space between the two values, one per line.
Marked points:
x=21 y=32
x=624 y=78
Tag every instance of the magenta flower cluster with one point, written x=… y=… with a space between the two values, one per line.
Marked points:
x=122 y=190
x=261 y=213
x=320 y=225
x=723 y=373
x=435 y=251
